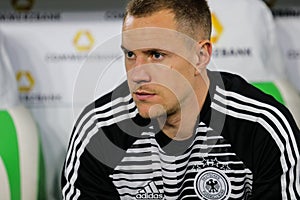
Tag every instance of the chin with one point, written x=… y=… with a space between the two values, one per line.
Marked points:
x=144 y=115
x=155 y=111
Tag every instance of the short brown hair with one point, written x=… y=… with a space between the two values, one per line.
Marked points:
x=192 y=16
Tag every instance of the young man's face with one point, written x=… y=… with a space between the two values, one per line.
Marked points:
x=159 y=63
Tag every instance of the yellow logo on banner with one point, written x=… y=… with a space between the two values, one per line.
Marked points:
x=83 y=41
x=218 y=28
x=25 y=81
x=22 y=5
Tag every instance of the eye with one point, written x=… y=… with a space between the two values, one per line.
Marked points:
x=129 y=54
x=157 y=55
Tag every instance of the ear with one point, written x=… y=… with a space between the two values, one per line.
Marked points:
x=204 y=51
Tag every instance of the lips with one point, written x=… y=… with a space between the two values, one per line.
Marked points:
x=143 y=95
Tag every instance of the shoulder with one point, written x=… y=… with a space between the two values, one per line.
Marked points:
x=252 y=116
x=110 y=123
x=109 y=101
x=107 y=109
x=248 y=107
x=237 y=98
x=99 y=122
x=239 y=92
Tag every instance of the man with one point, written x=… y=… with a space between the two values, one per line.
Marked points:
x=176 y=130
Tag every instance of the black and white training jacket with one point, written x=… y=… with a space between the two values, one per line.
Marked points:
x=245 y=146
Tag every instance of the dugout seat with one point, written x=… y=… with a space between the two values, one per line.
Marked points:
x=22 y=174
x=245 y=42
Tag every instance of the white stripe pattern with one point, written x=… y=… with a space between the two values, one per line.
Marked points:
x=289 y=147
x=164 y=167
x=146 y=167
x=80 y=135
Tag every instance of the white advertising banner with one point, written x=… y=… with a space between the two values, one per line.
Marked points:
x=245 y=40
x=288 y=29
x=47 y=57
x=53 y=56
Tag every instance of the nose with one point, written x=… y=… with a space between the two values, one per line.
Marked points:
x=140 y=75
x=140 y=72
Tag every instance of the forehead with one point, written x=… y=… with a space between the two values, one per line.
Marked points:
x=156 y=38
x=160 y=19
x=157 y=31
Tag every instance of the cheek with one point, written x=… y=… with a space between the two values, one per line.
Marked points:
x=170 y=97
x=179 y=83
x=180 y=88
x=128 y=65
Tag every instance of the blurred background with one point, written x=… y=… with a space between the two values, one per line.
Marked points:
x=93 y=5
x=58 y=56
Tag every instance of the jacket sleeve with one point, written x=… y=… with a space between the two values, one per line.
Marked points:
x=92 y=181
x=85 y=174
x=276 y=162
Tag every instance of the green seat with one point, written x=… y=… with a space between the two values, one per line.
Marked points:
x=271 y=89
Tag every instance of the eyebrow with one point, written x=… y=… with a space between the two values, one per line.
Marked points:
x=144 y=51
x=123 y=48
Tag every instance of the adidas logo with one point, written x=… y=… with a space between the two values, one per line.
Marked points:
x=150 y=191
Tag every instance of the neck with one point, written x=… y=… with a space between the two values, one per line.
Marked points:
x=181 y=124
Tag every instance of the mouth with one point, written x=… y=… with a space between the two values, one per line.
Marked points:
x=143 y=95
